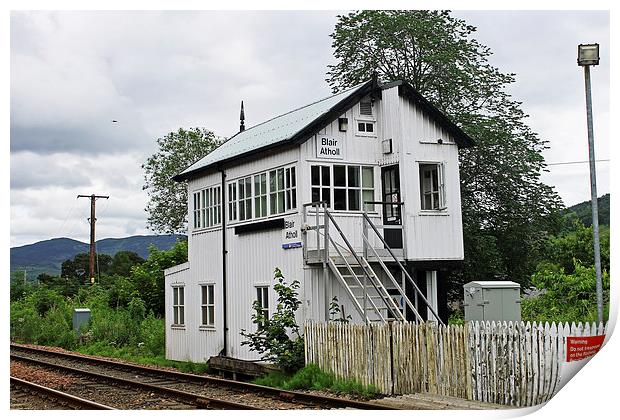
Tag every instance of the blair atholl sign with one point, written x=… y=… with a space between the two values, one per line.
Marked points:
x=578 y=348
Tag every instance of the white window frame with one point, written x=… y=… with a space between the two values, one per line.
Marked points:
x=439 y=190
x=346 y=187
x=262 y=297
x=276 y=191
x=365 y=120
x=290 y=188
x=322 y=186
x=178 y=305
x=260 y=196
x=207 y=207
x=207 y=306
x=244 y=198
x=232 y=201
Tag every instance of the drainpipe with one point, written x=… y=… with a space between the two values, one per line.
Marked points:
x=224 y=252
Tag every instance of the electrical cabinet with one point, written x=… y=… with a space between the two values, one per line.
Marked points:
x=492 y=301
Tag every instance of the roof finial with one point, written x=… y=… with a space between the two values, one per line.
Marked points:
x=242 y=118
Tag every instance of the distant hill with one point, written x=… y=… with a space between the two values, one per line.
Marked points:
x=583 y=211
x=47 y=256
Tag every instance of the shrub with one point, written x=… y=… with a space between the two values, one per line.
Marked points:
x=272 y=338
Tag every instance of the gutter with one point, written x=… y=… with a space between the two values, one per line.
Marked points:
x=224 y=252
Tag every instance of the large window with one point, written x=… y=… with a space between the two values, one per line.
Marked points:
x=432 y=186
x=262 y=297
x=207 y=211
x=352 y=186
x=178 y=305
x=207 y=305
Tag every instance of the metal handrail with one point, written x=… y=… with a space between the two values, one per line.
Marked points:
x=428 y=305
x=391 y=277
x=383 y=292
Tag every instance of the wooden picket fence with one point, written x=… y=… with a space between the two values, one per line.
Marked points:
x=516 y=364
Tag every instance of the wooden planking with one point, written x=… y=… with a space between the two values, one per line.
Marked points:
x=514 y=364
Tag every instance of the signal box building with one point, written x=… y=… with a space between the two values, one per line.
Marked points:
x=357 y=196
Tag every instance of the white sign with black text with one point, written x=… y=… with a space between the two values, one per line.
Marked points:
x=329 y=147
x=291 y=234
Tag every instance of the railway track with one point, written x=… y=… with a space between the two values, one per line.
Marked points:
x=31 y=396
x=184 y=388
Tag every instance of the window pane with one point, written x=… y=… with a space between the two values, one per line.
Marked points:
x=367 y=177
x=316 y=195
x=361 y=127
x=263 y=184
x=370 y=127
x=314 y=175
x=354 y=199
x=175 y=295
x=326 y=196
x=181 y=296
x=281 y=202
x=263 y=205
x=427 y=202
x=248 y=209
x=340 y=199
x=339 y=176
x=354 y=176
x=280 y=179
x=211 y=319
x=294 y=194
x=293 y=181
x=368 y=195
x=325 y=178
x=204 y=319
x=203 y=290
x=272 y=180
x=273 y=203
x=181 y=315
x=241 y=189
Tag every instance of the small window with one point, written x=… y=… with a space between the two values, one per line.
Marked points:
x=260 y=195
x=232 y=201
x=262 y=297
x=432 y=186
x=245 y=198
x=207 y=305
x=290 y=186
x=276 y=191
x=178 y=305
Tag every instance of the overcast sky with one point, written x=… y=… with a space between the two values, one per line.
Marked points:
x=72 y=73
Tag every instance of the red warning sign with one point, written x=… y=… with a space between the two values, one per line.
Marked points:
x=578 y=348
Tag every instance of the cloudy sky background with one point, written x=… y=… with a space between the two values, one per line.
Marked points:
x=74 y=72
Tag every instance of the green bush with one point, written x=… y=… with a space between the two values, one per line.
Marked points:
x=272 y=338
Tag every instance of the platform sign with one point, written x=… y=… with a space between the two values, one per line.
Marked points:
x=578 y=348
x=329 y=147
x=291 y=234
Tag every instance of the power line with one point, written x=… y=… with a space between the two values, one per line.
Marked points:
x=575 y=162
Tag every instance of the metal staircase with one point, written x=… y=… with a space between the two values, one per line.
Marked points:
x=353 y=271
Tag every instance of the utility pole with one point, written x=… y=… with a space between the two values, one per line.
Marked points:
x=588 y=55
x=92 y=220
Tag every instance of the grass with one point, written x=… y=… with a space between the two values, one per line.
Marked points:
x=311 y=377
x=131 y=355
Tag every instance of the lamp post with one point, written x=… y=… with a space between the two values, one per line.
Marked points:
x=588 y=55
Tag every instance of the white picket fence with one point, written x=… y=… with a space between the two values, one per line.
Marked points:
x=512 y=364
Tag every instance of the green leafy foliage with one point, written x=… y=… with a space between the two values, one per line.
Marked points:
x=167 y=206
x=567 y=278
x=567 y=297
x=272 y=338
x=311 y=377
x=508 y=212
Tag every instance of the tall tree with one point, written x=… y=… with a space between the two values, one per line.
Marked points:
x=507 y=210
x=167 y=206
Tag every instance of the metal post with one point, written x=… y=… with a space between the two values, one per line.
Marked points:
x=325 y=259
x=594 y=196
